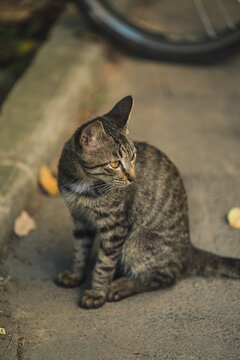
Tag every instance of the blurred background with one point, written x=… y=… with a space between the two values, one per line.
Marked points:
x=24 y=25
x=180 y=61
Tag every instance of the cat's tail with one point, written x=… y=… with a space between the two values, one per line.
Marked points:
x=208 y=264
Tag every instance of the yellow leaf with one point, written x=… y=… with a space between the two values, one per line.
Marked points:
x=48 y=181
x=24 y=223
x=233 y=217
x=27 y=46
x=2 y=331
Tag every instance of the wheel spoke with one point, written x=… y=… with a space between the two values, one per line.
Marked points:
x=207 y=29
x=226 y=15
x=205 y=19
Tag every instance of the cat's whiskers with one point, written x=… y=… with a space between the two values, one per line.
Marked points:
x=122 y=183
x=103 y=188
x=98 y=186
x=108 y=188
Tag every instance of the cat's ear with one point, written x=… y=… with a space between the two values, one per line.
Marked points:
x=121 y=111
x=92 y=136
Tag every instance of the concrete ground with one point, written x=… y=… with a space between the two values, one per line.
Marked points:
x=192 y=114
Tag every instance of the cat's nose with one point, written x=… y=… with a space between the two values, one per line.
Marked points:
x=131 y=175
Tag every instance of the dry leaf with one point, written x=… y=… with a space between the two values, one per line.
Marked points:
x=24 y=223
x=2 y=331
x=48 y=181
x=27 y=46
x=233 y=217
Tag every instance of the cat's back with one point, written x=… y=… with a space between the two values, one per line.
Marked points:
x=159 y=189
x=154 y=166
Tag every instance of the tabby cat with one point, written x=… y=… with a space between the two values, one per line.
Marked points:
x=132 y=197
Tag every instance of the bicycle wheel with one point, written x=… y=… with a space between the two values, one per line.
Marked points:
x=188 y=30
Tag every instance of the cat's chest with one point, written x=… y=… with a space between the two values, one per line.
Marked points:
x=98 y=209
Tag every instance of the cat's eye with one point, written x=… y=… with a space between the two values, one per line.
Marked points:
x=115 y=164
x=132 y=157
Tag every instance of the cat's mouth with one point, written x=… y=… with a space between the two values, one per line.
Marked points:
x=122 y=183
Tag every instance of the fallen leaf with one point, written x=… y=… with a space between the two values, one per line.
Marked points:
x=2 y=331
x=24 y=223
x=48 y=181
x=233 y=217
x=27 y=46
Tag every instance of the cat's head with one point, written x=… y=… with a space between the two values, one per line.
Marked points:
x=106 y=152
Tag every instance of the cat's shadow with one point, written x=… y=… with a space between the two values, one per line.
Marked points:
x=65 y=263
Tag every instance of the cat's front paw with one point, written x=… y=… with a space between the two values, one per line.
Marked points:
x=69 y=280
x=93 y=299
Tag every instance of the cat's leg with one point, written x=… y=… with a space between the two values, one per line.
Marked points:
x=111 y=241
x=148 y=266
x=83 y=239
x=125 y=287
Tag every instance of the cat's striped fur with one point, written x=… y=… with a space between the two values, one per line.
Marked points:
x=137 y=209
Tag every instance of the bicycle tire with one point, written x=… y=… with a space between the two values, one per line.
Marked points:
x=155 y=45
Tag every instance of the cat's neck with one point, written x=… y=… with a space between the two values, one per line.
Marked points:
x=81 y=187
